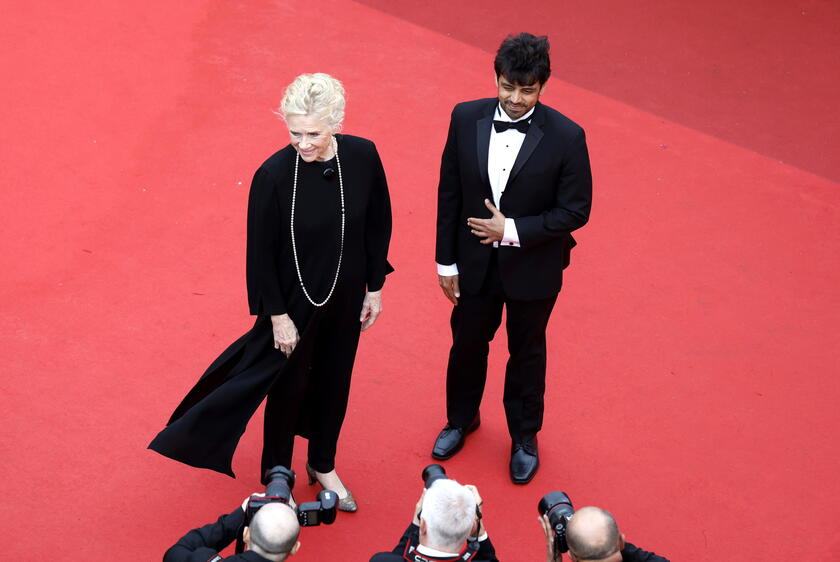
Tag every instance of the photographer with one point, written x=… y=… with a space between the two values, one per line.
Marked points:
x=271 y=536
x=447 y=526
x=592 y=536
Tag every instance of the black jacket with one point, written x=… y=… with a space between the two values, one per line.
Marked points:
x=549 y=194
x=203 y=544
x=411 y=538
x=632 y=553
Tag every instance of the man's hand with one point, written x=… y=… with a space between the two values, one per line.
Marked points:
x=371 y=307
x=550 y=555
x=478 y=526
x=417 y=508
x=449 y=284
x=489 y=230
x=285 y=333
x=245 y=503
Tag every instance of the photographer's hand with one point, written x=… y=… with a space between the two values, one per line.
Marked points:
x=550 y=555
x=417 y=508
x=478 y=528
x=245 y=503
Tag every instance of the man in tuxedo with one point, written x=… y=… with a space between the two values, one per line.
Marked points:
x=514 y=183
x=447 y=527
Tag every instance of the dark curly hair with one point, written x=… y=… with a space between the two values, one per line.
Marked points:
x=523 y=59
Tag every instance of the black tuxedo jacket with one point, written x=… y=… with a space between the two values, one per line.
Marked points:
x=549 y=194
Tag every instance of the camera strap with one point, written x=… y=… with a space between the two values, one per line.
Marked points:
x=411 y=554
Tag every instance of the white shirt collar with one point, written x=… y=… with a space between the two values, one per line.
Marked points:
x=432 y=552
x=500 y=115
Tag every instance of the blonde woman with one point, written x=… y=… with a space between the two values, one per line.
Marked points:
x=319 y=225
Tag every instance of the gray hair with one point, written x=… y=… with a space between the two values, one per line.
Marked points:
x=449 y=512
x=318 y=95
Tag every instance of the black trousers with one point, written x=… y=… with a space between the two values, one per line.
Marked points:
x=314 y=405
x=474 y=322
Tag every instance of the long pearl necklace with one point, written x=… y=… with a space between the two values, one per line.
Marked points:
x=294 y=246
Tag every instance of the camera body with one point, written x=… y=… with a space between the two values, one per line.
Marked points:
x=558 y=507
x=279 y=489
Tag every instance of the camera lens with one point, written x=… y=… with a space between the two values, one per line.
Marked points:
x=558 y=506
x=433 y=472
x=281 y=481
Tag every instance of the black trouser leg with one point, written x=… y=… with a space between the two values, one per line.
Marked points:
x=331 y=373
x=474 y=322
x=278 y=443
x=281 y=415
x=525 y=373
x=329 y=378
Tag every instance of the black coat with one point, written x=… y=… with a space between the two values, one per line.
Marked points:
x=632 y=553
x=273 y=286
x=204 y=543
x=313 y=384
x=410 y=539
x=549 y=194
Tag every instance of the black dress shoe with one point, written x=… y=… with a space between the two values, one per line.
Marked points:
x=451 y=439
x=524 y=461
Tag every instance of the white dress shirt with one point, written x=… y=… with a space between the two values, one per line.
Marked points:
x=504 y=148
x=422 y=549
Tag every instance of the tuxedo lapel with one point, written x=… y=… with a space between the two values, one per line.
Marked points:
x=532 y=139
x=482 y=136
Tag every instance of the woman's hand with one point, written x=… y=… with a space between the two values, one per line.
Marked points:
x=371 y=308
x=285 y=333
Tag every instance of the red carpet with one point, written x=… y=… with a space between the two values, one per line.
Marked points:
x=757 y=73
x=693 y=354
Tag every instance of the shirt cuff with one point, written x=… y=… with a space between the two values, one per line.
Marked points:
x=447 y=270
x=481 y=538
x=511 y=236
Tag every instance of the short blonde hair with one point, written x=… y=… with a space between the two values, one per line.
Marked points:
x=318 y=95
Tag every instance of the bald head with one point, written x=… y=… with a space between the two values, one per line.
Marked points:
x=274 y=531
x=592 y=534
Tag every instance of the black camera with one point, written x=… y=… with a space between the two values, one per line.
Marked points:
x=432 y=473
x=559 y=509
x=281 y=480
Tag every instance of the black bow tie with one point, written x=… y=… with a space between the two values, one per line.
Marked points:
x=502 y=126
